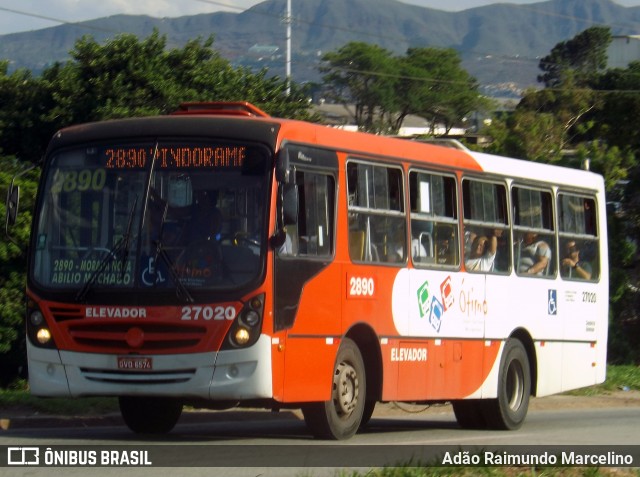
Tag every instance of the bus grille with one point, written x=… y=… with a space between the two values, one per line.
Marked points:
x=135 y=377
x=152 y=337
x=140 y=336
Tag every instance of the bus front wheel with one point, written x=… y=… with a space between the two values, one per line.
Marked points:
x=150 y=415
x=509 y=409
x=340 y=417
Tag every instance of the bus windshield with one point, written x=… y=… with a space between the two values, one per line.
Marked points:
x=189 y=216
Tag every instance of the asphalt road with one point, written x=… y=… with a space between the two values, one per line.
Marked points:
x=249 y=443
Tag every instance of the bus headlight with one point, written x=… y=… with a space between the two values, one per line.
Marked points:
x=43 y=336
x=251 y=318
x=247 y=327
x=242 y=336
x=36 y=318
x=38 y=331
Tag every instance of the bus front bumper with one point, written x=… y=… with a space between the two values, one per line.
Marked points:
x=226 y=375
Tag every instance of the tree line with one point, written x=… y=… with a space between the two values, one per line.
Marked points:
x=583 y=107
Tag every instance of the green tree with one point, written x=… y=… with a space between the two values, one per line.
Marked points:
x=130 y=77
x=13 y=266
x=550 y=121
x=384 y=89
x=435 y=86
x=583 y=57
x=363 y=75
x=619 y=89
x=22 y=101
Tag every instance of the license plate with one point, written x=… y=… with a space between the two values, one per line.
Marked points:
x=136 y=363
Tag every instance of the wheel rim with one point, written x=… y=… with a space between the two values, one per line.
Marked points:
x=346 y=389
x=515 y=385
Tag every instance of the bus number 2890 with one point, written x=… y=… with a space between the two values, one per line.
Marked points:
x=361 y=287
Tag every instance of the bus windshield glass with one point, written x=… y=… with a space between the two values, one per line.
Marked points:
x=187 y=216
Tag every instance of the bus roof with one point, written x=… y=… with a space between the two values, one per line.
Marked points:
x=519 y=169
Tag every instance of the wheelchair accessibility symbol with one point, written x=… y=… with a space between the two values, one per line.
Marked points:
x=150 y=275
x=552 y=303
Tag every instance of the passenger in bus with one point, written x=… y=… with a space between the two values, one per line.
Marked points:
x=483 y=252
x=445 y=245
x=572 y=266
x=535 y=255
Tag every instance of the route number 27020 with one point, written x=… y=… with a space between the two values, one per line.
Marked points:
x=362 y=286
x=207 y=313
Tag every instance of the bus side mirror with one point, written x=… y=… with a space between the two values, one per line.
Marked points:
x=13 y=201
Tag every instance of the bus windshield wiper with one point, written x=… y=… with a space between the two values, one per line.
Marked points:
x=181 y=290
x=126 y=238
x=122 y=244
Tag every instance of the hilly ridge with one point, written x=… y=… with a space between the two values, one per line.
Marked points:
x=500 y=44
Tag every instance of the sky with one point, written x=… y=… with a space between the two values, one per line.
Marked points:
x=23 y=15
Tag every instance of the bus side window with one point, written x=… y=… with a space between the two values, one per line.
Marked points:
x=312 y=232
x=579 y=258
x=377 y=223
x=434 y=216
x=534 y=236
x=486 y=227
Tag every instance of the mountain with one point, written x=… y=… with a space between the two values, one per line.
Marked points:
x=500 y=44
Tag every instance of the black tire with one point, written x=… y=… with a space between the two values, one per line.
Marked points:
x=150 y=415
x=470 y=413
x=509 y=409
x=340 y=417
x=369 y=407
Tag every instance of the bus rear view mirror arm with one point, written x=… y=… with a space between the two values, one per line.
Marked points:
x=13 y=202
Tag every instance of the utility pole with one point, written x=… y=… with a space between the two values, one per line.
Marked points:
x=288 y=20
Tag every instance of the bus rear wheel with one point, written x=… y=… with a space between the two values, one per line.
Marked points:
x=150 y=415
x=470 y=413
x=509 y=409
x=340 y=417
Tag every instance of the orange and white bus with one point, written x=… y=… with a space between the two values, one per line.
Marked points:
x=221 y=257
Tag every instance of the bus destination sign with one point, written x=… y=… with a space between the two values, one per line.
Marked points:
x=176 y=157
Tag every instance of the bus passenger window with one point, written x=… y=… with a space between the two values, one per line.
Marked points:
x=377 y=224
x=312 y=234
x=534 y=247
x=579 y=259
x=434 y=216
x=486 y=227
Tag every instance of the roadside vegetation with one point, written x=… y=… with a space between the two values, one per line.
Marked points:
x=494 y=472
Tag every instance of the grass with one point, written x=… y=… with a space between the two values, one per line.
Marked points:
x=495 y=472
x=619 y=377
x=18 y=398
